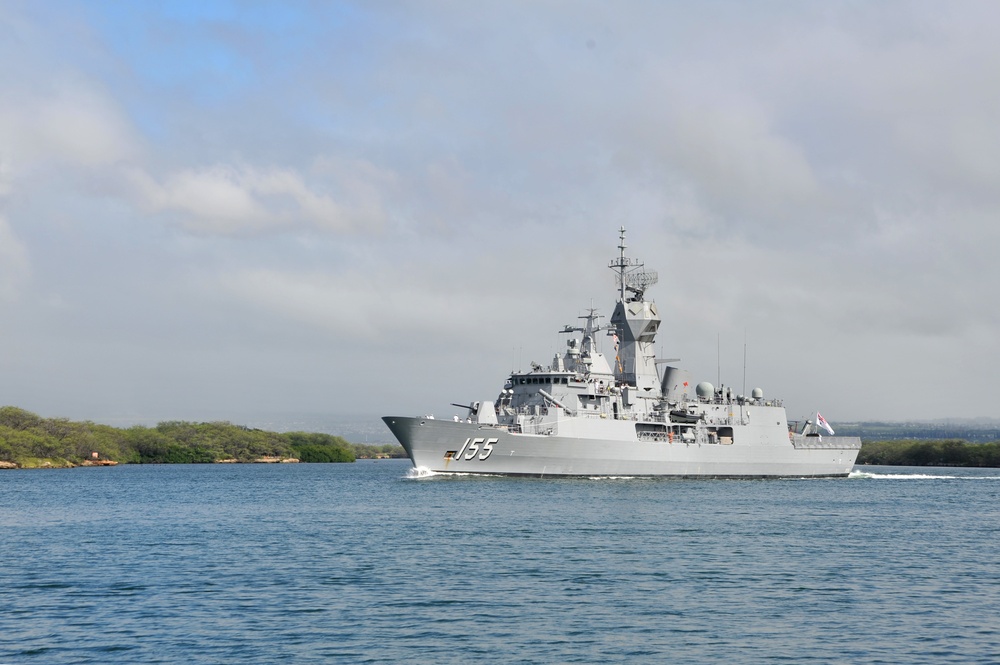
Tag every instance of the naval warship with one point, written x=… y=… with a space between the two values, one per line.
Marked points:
x=622 y=414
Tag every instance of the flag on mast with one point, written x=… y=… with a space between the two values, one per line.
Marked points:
x=821 y=421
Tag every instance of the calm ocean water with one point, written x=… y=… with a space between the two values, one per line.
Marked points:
x=360 y=563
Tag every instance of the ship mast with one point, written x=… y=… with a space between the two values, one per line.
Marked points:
x=631 y=276
x=621 y=264
x=636 y=321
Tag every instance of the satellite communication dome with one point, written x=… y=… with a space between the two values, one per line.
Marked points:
x=705 y=389
x=757 y=393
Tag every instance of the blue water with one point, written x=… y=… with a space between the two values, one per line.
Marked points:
x=360 y=563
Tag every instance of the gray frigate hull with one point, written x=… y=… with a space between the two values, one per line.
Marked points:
x=444 y=446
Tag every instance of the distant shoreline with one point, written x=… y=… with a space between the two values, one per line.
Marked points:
x=29 y=441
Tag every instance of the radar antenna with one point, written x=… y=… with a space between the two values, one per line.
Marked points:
x=631 y=277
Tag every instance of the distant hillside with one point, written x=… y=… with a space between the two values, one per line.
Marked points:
x=939 y=452
x=28 y=440
x=978 y=431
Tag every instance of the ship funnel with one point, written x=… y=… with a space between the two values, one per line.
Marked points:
x=676 y=384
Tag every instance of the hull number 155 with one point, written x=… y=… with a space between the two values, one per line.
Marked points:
x=472 y=446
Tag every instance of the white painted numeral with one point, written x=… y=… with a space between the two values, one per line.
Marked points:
x=473 y=448
x=488 y=448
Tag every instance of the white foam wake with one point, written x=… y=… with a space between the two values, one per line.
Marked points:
x=916 y=476
x=611 y=477
x=418 y=472
x=898 y=476
x=421 y=472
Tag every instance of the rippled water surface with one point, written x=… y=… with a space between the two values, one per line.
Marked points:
x=362 y=563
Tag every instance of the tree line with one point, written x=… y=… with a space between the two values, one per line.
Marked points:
x=939 y=452
x=878 y=431
x=27 y=439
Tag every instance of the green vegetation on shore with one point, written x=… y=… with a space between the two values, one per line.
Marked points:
x=28 y=440
x=933 y=452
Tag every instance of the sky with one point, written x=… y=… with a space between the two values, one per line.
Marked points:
x=215 y=210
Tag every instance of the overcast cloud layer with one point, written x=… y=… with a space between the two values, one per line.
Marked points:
x=215 y=210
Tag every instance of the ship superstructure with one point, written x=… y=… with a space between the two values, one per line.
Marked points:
x=591 y=414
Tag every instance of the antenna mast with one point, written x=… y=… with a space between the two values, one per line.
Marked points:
x=744 y=362
x=621 y=264
x=631 y=276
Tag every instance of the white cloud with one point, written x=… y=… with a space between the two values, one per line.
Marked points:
x=14 y=263
x=408 y=303
x=227 y=200
x=739 y=164
x=68 y=121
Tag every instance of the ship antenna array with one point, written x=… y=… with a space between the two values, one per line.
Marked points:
x=631 y=276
